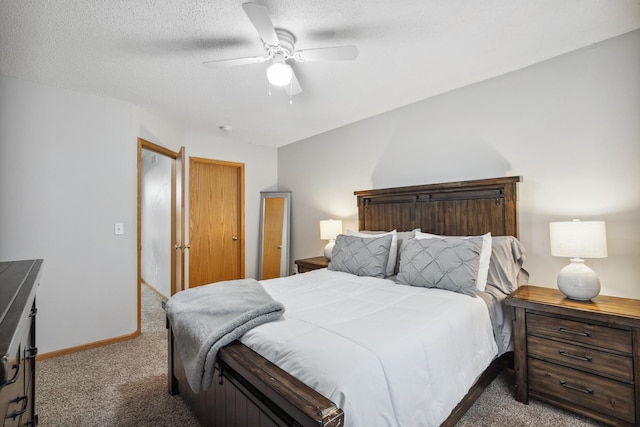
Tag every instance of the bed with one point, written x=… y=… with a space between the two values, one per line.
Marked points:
x=250 y=388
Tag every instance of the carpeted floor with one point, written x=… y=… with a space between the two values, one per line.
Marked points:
x=125 y=384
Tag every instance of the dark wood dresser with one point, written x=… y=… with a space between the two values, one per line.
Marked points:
x=583 y=356
x=18 y=283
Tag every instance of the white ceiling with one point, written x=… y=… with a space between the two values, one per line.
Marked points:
x=150 y=53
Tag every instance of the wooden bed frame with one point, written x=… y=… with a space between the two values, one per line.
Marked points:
x=251 y=391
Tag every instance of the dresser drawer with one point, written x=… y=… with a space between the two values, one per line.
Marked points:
x=580 y=332
x=608 y=397
x=600 y=362
x=13 y=397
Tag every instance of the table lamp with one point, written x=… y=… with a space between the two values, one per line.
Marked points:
x=576 y=240
x=329 y=230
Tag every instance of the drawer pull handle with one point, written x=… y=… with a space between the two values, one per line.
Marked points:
x=576 y=388
x=15 y=375
x=25 y=402
x=569 y=331
x=573 y=356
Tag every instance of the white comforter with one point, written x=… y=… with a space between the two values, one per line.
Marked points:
x=386 y=354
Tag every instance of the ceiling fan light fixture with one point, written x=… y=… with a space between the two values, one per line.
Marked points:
x=279 y=74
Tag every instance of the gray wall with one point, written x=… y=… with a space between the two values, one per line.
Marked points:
x=570 y=126
x=68 y=172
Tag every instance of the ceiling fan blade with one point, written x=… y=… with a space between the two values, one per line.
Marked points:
x=294 y=87
x=340 y=53
x=224 y=63
x=260 y=19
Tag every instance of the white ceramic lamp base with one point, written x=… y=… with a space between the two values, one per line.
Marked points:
x=577 y=281
x=328 y=249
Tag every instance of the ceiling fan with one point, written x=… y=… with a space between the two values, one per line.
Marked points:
x=279 y=47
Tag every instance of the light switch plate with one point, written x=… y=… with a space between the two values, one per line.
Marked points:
x=118 y=228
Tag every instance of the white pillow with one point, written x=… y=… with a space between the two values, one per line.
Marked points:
x=485 y=256
x=393 y=250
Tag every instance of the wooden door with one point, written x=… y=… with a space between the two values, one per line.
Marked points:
x=216 y=221
x=273 y=218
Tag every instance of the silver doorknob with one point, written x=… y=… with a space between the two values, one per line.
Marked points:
x=234 y=237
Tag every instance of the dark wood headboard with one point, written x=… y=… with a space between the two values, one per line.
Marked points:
x=453 y=208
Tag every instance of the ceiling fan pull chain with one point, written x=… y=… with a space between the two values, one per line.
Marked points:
x=291 y=92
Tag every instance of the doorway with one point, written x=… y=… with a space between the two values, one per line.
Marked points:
x=160 y=221
x=216 y=221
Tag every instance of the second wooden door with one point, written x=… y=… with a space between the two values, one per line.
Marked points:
x=216 y=221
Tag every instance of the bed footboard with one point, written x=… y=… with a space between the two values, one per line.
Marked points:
x=250 y=390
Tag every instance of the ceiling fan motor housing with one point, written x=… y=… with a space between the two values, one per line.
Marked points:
x=285 y=46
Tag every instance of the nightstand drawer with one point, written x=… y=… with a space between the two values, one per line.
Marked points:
x=595 y=361
x=608 y=397
x=581 y=332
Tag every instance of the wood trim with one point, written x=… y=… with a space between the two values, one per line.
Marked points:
x=155 y=290
x=180 y=220
x=177 y=211
x=241 y=214
x=444 y=187
x=141 y=143
x=89 y=346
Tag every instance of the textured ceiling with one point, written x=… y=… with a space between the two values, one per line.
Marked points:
x=150 y=53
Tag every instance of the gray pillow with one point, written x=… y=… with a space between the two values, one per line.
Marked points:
x=450 y=263
x=361 y=256
x=506 y=271
x=403 y=236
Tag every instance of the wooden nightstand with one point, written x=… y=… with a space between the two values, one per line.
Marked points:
x=309 y=264
x=583 y=356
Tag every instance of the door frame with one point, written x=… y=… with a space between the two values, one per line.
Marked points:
x=177 y=219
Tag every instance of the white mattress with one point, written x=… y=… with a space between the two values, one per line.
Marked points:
x=386 y=354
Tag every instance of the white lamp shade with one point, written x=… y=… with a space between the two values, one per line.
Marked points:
x=279 y=74
x=329 y=229
x=578 y=239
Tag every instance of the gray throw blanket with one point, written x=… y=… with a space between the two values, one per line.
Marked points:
x=206 y=318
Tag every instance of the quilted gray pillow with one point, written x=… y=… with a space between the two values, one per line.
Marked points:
x=361 y=256
x=450 y=263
